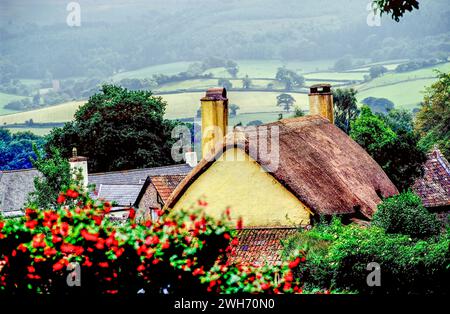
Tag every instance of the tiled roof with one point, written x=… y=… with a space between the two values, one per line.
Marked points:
x=434 y=187
x=121 y=194
x=260 y=245
x=16 y=185
x=166 y=184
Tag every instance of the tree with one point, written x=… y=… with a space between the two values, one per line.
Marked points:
x=118 y=129
x=232 y=68
x=433 y=119
x=17 y=149
x=395 y=7
x=377 y=70
x=225 y=83
x=233 y=110
x=345 y=108
x=396 y=152
x=56 y=175
x=246 y=82
x=298 y=112
x=286 y=101
x=343 y=63
x=381 y=105
x=289 y=78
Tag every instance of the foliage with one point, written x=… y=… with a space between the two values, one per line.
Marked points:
x=286 y=101
x=381 y=105
x=433 y=119
x=180 y=252
x=298 y=112
x=407 y=266
x=17 y=149
x=396 y=7
x=371 y=132
x=233 y=109
x=246 y=82
x=225 y=83
x=290 y=78
x=376 y=71
x=118 y=129
x=419 y=64
x=56 y=175
x=345 y=108
x=343 y=63
x=405 y=214
x=396 y=152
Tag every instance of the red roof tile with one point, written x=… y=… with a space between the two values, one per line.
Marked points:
x=165 y=184
x=434 y=187
x=260 y=245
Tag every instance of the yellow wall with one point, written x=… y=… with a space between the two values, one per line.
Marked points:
x=249 y=192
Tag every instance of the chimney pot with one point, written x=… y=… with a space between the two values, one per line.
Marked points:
x=321 y=101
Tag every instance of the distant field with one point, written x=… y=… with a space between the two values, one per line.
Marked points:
x=168 y=69
x=5 y=99
x=59 y=113
x=37 y=131
x=185 y=105
x=336 y=76
x=390 y=65
x=404 y=95
x=393 y=77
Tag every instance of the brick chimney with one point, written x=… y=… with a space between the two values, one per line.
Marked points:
x=79 y=162
x=321 y=101
x=214 y=107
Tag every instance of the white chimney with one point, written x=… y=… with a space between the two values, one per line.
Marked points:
x=191 y=159
x=78 y=163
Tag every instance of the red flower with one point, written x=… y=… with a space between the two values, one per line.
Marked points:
x=198 y=271
x=202 y=203
x=132 y=214
x=100 y=245
x=72 y=193
x=239 y=224
x=265 y=286
x=103 y=264
x=49 y=251
x=31 y=269
x=294 y=263
x=141 y=268
x=165 y=245
x=70 y=248
x=59 y=265
x=61 y=199
x=226 y=236
x=89 y=236
x=235 y=242
x=31 y=224
x=22 y=248
x=97 y=220
x=152 y=240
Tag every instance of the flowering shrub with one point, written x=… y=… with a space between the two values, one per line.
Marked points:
x=181 y=252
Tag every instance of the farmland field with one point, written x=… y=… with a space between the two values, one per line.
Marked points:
x=404 y=95
x=336 y=76
x=168 y=69
x=5 y=99
x=37 y=131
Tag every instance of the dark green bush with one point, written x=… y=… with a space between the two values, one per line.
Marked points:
x=407 y=266
x=405 y=214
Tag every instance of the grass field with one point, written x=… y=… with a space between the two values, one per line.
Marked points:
x=59 y=113
x=393 y=77
x=168 y=69
x=5 y=99
x=348 y=76
x=37 y=131
x=404 y=95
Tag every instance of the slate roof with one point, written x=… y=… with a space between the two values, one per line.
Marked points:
x=166 y=184
x=122 y=194
x=15 y=185
x=258 y=246
x=434 y=186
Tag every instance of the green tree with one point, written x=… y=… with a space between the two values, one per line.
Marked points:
x=286 y=101
x=395 y=7
x=246 y=82
x=396 y=152
x=232 y=68
x=289 y=78
x=405 y=214
x=17 y=149
x=298 y=112
x=118 y=129
x=345 y=108
x=343 y=63
x=225 y=83
x=56 y=176
x=376 y=71
x=433 y=120
x=233 y=110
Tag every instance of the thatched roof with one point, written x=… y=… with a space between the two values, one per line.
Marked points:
x=321 y=165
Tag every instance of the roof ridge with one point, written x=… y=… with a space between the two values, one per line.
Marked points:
x=137 y=169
